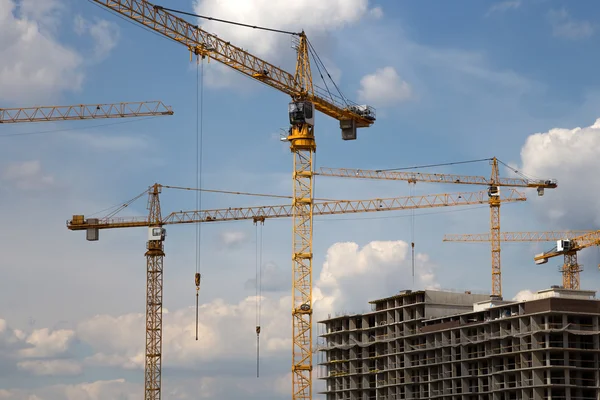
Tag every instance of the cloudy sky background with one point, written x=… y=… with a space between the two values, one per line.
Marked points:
x=451 y=82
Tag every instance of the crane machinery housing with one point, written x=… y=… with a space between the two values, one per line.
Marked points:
x=494 y=183
x=570 y=269
x=155 y=223
x=301 y=112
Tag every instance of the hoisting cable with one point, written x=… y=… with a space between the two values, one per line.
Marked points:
x=434 y=165
x=199 y=121
x=411 y=186
x=241 y=193
x=225 y=21
x=318 y=59
x=258 y=285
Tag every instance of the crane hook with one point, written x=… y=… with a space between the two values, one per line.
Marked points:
x=197 y=281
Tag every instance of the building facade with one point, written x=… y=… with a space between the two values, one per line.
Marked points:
x=443 y=345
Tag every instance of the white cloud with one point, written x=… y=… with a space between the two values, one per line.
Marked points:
x=98 y=390
x=504 y=6
x=227 y=340
x=524 y=295
x=46 y=343
x=317 y=18
x=105 y=35
x=571 y=157
x=233 y=238
x=27 y=175
x=384 y=87
x=352 y=276
x=51 y=367
x=565 y=26
x=34 y=65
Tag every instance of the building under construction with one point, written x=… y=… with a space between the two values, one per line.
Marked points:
x=442 y=345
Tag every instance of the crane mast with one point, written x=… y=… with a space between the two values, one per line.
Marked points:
x=302 y=144
x=155 y=255
x=569 y=248
x=157 y=234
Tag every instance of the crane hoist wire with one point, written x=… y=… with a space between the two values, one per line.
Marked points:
x=434 y=165
x=199 y=151
x=258 y=285
x=411 y=186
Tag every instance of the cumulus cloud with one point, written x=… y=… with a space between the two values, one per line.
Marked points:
x=47 y=343
x=352 y=276
x=104 y=34
x=220 y=326
x=571 y=157
x=27 y=175
x=317 y=18
x=565 y=26
x=524 y=295
x=98 y=390
x=34 y=65
x=232 y=238
x=384 y=88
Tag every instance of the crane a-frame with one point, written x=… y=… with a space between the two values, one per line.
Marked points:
x=157 y=234
x=305 y=100
x=570 y=269
x=494 y=183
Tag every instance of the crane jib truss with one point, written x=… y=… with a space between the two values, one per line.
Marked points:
x=259 y=213
x=570 y=269
x=84 y=111
x=155 y=250
x=494 y=183
x=299 y=86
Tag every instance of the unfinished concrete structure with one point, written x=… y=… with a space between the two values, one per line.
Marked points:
x=443 y=345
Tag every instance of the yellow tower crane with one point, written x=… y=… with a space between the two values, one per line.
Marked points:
x=569 y=248
x=305 y=100
x=570 y=269
x=157 y=234
x=84 y=111
x=494 y=183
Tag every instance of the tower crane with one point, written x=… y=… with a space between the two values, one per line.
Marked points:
x=157 y=235
x=570 y=270
x=84 y=111
x=568 y=248
x=301 y=112
x=494 y=183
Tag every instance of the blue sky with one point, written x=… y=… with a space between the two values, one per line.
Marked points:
x=451 y=81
